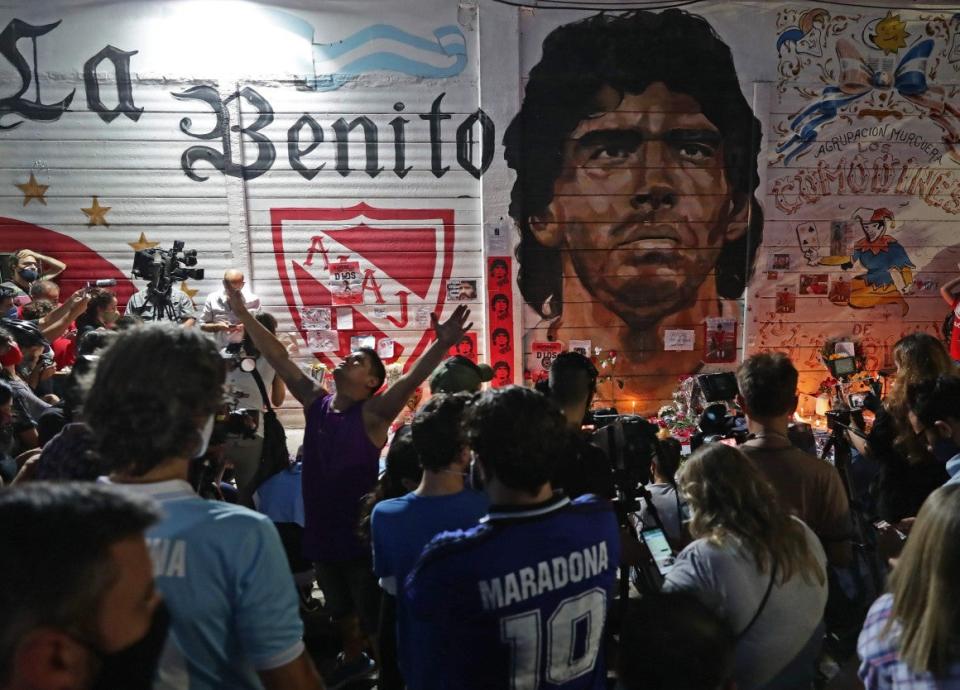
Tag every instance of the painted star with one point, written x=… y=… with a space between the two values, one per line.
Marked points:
x=187 y=290
x=96 y=214
x=142 y=243
x=33 y=190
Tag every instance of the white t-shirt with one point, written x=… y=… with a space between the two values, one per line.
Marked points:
x=216 y=308
x=727 y=580
x=243 y=382
x=665 y=500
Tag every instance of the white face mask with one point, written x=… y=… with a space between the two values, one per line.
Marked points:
x=205 y=433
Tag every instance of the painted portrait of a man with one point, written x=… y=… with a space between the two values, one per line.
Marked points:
x=635 y=154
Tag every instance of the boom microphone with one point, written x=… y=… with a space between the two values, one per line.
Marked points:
x=109 y=282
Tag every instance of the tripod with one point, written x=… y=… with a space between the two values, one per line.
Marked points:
x=845 y=613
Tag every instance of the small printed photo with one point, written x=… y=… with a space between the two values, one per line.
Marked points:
x=345 y=283
x=461 y=290
x=786 y=302
x=500 y=307
x=781 y=262
x=773 y=275
x=499 y=273
x=814 y=284
x=467 y=347
x=502 y=344
x=323 y=340
x=502 y=375
x=839 y=291
x=720 y=341
x=316 y=318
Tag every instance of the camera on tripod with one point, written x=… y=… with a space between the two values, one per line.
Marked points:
x=161 y=268
x=717 y=423
x=629 y=441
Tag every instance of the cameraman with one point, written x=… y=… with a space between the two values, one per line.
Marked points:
x=141 y=305
x=810 y=487
x=582 y=467
x=241 y=450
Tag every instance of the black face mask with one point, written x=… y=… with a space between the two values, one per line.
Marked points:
x=134 y=667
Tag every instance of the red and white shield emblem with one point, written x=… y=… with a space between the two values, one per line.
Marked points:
x=405 y=258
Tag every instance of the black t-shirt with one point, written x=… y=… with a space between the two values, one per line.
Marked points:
x=901 y=486
x=583 y=468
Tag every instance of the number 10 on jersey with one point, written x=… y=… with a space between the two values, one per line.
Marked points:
x=571 y=640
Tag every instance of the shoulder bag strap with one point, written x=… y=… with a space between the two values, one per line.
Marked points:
x=263 y=389
x=763 y=604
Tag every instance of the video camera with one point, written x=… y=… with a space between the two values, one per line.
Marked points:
x=235 y=418
x=716 y=423
x=161 y=268
x=169 y=264
x=629 y=442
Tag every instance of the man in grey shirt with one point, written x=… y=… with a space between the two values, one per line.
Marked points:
x=181 y=307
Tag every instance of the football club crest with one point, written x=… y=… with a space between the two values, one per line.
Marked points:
x=402 y=258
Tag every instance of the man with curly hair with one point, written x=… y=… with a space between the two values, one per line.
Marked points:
x=222 y=570
x=636 y=160
x=519 y=601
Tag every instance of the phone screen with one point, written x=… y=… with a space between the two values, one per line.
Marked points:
x=660 y=549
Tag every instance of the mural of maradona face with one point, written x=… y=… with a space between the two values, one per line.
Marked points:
x=643 y=207
x=636 y=159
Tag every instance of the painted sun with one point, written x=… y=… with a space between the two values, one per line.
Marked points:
x=891 y=34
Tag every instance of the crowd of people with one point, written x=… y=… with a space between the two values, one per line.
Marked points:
x=153 y=539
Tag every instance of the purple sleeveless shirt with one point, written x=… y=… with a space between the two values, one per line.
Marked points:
x=340 y=466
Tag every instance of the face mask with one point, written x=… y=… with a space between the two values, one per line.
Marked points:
x=205 y=433
x=134 y=667
x=12 y=357
x=29 y=274
x=944 y=449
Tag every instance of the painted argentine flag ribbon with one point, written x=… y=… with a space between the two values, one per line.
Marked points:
x=386 y=48
x=857 y=79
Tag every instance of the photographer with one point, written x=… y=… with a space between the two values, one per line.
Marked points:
x=101 y=312
x=670 y=506
x=808 y=486
x=908 y=472
x=243 y=451
x=221 y=568
x=582 y=468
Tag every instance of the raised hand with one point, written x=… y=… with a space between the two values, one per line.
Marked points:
x=451 y=331
x=234 y=299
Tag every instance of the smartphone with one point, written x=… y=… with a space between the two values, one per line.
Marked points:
x=660 y=550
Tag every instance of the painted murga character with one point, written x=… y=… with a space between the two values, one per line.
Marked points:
x=889 y=275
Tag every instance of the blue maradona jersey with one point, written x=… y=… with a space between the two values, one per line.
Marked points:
x=520 y=601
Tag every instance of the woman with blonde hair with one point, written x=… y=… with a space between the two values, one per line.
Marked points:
x=907 y=472
x=754 y=564
x=911 y=638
